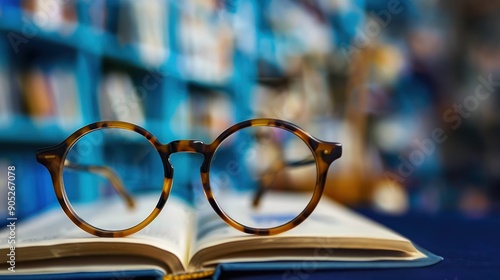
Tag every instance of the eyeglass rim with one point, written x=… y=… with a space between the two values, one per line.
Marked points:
x=315 y=145
x=53 y=159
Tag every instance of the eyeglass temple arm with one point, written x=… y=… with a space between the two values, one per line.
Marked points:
x=109 y=174
x=263 y=184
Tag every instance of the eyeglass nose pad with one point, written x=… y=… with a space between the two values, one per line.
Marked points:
x=167 y=166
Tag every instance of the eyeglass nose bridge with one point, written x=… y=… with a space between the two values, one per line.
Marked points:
x=189 y=146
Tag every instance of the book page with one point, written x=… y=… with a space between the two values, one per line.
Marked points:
x=53 y=235
x=332 y=232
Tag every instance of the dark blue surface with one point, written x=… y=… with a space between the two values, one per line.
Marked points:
x=113 y=275
x=470 y=247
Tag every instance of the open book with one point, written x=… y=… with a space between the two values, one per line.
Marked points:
x=183 y=239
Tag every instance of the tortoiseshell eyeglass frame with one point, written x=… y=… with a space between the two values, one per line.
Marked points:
x=53 y=158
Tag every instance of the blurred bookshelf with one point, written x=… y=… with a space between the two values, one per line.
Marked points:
x=180 y=69
x=64 y=64
x=189 y=69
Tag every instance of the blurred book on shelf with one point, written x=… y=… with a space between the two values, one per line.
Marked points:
x=298 y=32
x=118 y=99
x=4 y=164
x=6 y=105
x=66 y=97
x=145 y=25
x=31 y=185
x=37 y=98
x=96 y=15
x=151 y=29
x=301 y=98
x=52 y=15
x=50 y=94
x=206 y=41
x=211 y=112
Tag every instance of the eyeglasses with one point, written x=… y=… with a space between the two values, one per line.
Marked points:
x=244 y=173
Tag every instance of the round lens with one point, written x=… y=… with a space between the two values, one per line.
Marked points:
x=263 y=177
x=113 y=178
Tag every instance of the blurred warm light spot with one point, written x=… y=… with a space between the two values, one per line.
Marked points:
x=390 y=197
x=474 y=203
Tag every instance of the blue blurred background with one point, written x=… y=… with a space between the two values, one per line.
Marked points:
x=409 y=87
